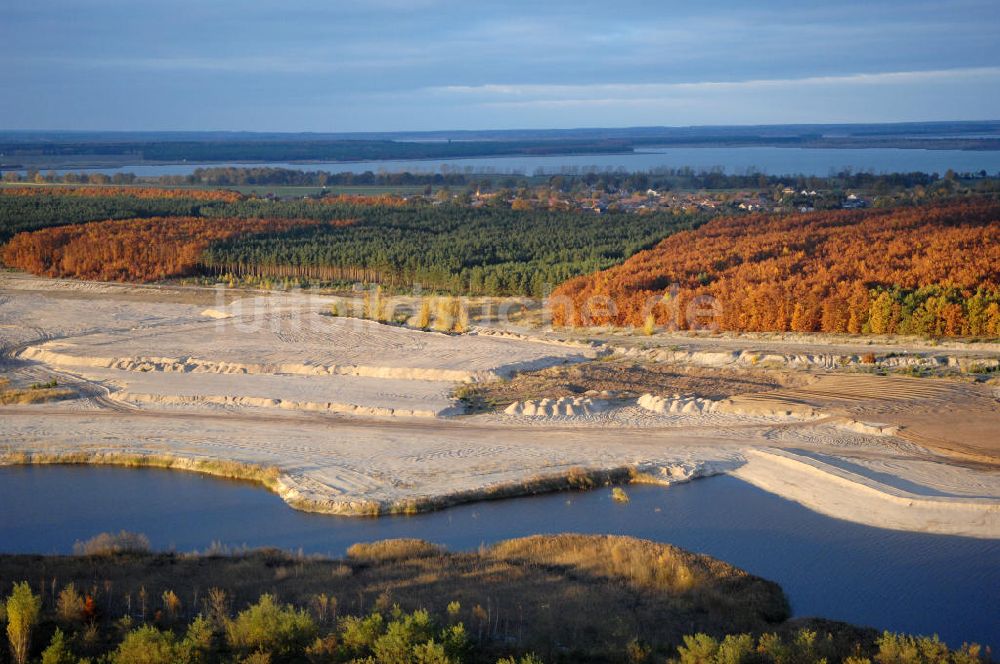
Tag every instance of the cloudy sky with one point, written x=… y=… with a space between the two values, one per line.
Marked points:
x=332 y=65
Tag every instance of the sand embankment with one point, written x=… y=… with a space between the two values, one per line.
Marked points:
x=846 y=495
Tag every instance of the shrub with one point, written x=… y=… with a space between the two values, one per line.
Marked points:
x=903 y=649
x=171 y=604
x=396 y=646
x=649 y=326
x=198 y=641
x=530 y=658
x=430 y=653
x=443 y=320
x=359 y=634
x=58 y=651
x=461 y=317
x=578 y=478
x=148 y=645
x=257 y=658
x=266 y=626
x=109 y=544
x=217 y=607
x=323 y=650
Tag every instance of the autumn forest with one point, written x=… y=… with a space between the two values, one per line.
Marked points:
x=930 y=270
x=927 y=269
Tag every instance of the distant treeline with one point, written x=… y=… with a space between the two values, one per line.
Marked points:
x=661 y=179
x=320 y=150
x=664 y=179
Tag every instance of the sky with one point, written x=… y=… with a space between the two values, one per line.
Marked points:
x=405 y=65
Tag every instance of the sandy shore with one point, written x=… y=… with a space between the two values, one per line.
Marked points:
x=359 y=418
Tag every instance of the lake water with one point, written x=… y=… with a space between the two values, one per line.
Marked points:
x=900 y=581
x=772 y=160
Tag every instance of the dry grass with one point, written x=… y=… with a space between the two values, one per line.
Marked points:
x=554 y=595
x=394 y=549
x=651 y=567
x=37 y=393
x=265 y=475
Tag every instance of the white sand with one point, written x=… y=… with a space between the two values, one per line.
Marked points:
x=843 y=494
x=271 y=390
x=309 y=344
x=563 y=406
x=335 y=393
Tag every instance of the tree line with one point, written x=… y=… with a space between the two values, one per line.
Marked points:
x=568 y=180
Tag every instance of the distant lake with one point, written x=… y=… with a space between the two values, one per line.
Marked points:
x=771 y=160
x=902 y=581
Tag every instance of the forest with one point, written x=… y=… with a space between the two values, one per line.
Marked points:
x=131 y=249
x=449 y=247
x=488 y=251
x=927 y=270
x=31 y=208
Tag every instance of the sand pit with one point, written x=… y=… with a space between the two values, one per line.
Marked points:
x=284 y=355
x=278 y=384
x=306 y=344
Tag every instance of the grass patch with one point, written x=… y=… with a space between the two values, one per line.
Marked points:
x=395 y=549
x=619 y=496
x=35 y=393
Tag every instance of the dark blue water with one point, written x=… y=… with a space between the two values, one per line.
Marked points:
x=771 y=160
x=900 y=581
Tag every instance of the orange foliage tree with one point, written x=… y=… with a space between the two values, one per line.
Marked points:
x=922 y=270
x=130 y=249
x=383 y=200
